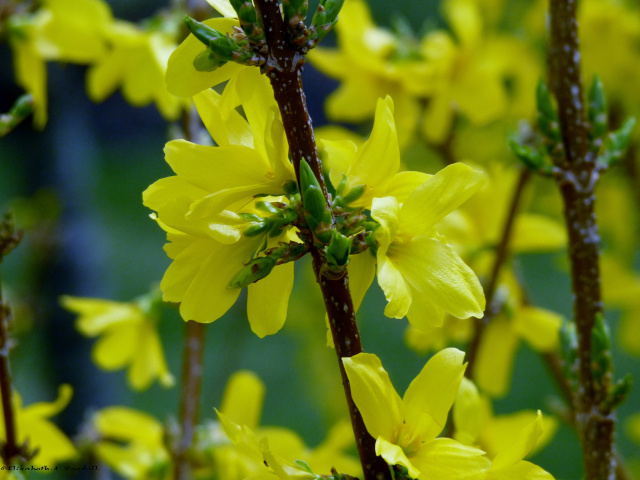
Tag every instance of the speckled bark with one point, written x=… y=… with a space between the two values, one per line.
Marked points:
x=577 y=184
x=284 y=70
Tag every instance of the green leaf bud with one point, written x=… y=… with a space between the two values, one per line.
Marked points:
x=530 y=157
x=618 y=392
x=255 y=270
x=255 y=230
x=337 y=252
x=291 y=188
x=597 y=109
x=207 y=62
x=295 y=10
x=202 y=32
x=617 y=143
x=354 y=194
x=314 y=206
x=601 y=361
x=547 y=116
x=324 y=19
x=569 y=351
x=268 y=207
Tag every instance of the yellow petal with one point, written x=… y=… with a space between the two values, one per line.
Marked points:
x=431 y=394
x=520 y=446
x=379 y=403
x=354 y=101
x=362 y=270
x=494 y=363
x=127 y=424
x=446 y=459
x=338 y=157
x=31 y=74
x=396 y=290
x=226 y=126
x=534 y=233
x=224 y=7
x=49 y=409
x=116 y=347
x=242 y=399
x=467 y=414
x=464 y=18
x=394 y=455
x=96 y=314
x=500 y=431
x=522 y=471
x=539 y=327
x=183 y=80
x=148 y=361
x=439 y=196
x=268 y=300
x=404 y=183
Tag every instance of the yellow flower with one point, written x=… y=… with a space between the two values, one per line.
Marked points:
x=421 y=275
x=137 y=60
x=183 y=80
x=33 y=426
x=128 y=336
x=62 y=30
x=477 y=426
x=132 y=443
x=366 y=70
x=199 y=206
x=406 y=429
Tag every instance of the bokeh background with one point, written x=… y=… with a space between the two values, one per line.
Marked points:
x=76 y=189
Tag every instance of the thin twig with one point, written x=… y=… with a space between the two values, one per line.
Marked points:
x=577 y=182
x=502 y=253
x=284 y=69
x=190 y=396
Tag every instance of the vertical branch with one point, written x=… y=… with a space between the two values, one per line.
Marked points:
x=502 y=253
x=577 y=183
x=190 y=396
x=284 y=70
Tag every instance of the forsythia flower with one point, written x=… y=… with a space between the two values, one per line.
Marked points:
x=137 y=60
x=477 y=426
x=33 y=426
x=128 y=336
x=63 y=30
x=406 y=429
x=199 y=206
x=421 y=275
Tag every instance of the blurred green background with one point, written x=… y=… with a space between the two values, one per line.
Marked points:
x=76 y=188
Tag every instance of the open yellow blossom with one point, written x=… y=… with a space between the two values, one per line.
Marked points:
x=421 y=275
x=62 y=30
x=406 y=429
x=199 y=206
x=128 y=337
x=477 y=426
x=137 y=60
x=33 y=426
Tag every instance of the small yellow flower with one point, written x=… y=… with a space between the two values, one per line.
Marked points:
x=33 y=426
x=137 y=60
x=421 y=275
x=406 y=429
x=128 y=336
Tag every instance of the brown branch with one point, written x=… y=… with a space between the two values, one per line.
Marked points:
x=190 y=396
x=502 y=253
x=284 y=70
x=577 y=182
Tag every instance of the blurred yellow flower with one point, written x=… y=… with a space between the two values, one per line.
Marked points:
x=137 y=60
x=406 y=429
x=128 y=337
x=33 y=426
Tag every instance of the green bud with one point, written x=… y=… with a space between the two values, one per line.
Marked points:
x=223 y=48
x=206 y=62
x=256 y=230
x=547 y=116
x=295 y=9
x=268 y=207
x=532 y=159
x=617 y=143
x=618 y=392
x=341 y=186
x=324 y=19
x=569 y=351
x=202 y=32
x=601 y=361
x=291 y=188
x=255 y=270
x=315 y=206
x=337 y=252
x=304 y=465
x=250 y=217
x=249 y=20
x=597 y=109
x=354 y=194
x=307 y=177
x=22 y=108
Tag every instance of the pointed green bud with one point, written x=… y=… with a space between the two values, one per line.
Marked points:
x=601 y=361
x=597 y=109
x=337 y=252
x=291 y=188
x=207 y=62
x=617 y=143
x=569 y=351
x=303 y=465
x=315 y=206
x=250 y=21
x=324 y=19
x=256 y=230
x=547 y=116
x=341 y=186
x=22 y=108
x=295 y=10
x=354 y=194
x=202 y=32
x=532 y=159
x=268 y=207
x=619 y=392
x=224 y=48
x=255 y=270
x=307 y=177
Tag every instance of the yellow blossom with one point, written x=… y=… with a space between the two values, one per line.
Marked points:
x=33 y=426
x=421 y=275
x=137 y=60
x=128 y=337
x=406 y=429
